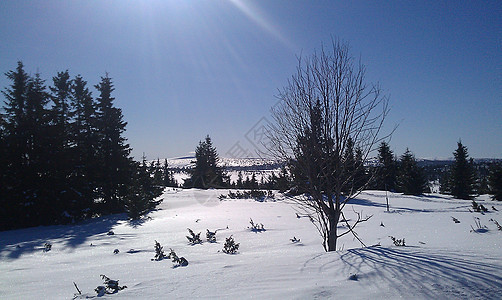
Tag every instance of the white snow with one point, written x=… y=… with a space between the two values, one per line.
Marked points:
x=441 y=260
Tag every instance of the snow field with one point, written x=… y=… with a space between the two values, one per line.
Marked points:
x=442 y=259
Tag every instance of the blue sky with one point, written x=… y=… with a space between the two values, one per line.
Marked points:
x=185 y=69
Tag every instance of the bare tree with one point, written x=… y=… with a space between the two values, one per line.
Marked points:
x=326 y=107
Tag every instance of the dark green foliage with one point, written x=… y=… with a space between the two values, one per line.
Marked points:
x=462 y=176
x=63 y=157
x=495 y=181
x=397 y=242
x=111 y=286
x=230 y=246
x=143 y=192
x=178 y=261
x=159 y=252
x=410 y=179
x=386 y=177
x=353 y=171
x=113 y=150
x=256 y=227
x=211 y=236
x=193 y=239
x=206 y=172
x=478 y=207
x=258 y=195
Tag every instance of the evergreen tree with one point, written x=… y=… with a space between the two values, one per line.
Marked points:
x=350 y=167
x=495 y=181
x=387 y=169
x=84 y=138
x=143 y=192
x=239 y=183
x=462 y=174
x=410 y=179
x=168 y=178
x=206 y=173
x=61 y=156
x=360 y=177
x=15 y=137
x=39 y=190
x=112 y=148
x=283 y=180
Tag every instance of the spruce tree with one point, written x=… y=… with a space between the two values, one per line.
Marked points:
x=142 y=192
x=168 y=178
x=495 y=181
x=360 y=177
x=462 y=174
x=39 y=191
x=116 y=166
x=206 y=173
x=410 y=179
x=85 y=140
x=387 y=169
x=350 y=167
x=61 y=157
x=15 y=137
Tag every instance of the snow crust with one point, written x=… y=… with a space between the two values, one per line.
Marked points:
x=442 y=259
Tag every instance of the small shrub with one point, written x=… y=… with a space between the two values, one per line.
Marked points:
x=47 y=247
x=159 y=252
x=230 y=246
x=353 y=277
x=194 y=238
x=111 y=286
x=294 y=240
x=497 y=224
x=258 y=195
x=256 y=227
x=398 y=242
x=478 y=207
x=177 y=261
x=211 y=236
x=479 y=228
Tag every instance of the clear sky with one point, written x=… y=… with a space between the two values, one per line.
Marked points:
x=185 y=69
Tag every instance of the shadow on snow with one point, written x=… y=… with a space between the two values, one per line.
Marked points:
x=433 y=273
x=15 y=243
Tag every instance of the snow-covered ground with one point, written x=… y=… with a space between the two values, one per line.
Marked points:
x=442 y=259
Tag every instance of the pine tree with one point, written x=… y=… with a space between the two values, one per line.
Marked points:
x=495 y=181
x=206 y=173
x=410 y=179
x=112 y=148
x=462 y=176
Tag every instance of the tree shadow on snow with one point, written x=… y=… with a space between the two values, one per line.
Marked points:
x=434 y=274
x=15 y=243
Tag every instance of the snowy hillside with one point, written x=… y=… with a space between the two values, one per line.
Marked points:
x=441 y=260
x=228 y=163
